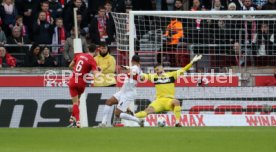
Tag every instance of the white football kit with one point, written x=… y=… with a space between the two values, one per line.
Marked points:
x=127 y=94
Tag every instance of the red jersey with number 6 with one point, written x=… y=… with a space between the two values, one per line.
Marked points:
x=84 y=63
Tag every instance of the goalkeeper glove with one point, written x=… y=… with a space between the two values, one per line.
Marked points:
x=196 y=58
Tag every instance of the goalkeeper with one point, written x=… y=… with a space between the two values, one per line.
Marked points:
x=165 y=90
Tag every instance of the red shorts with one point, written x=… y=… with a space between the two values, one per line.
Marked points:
x=76 y=89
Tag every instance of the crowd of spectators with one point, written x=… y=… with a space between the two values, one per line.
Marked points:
x=50 y=22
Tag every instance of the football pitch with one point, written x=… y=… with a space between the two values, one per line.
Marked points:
x=186 y=139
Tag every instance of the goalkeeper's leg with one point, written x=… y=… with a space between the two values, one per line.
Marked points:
x=155 y=106
x=177 y=111
x=143 y=114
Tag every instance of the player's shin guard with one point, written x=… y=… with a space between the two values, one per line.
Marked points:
x=76 y=112
x=177 y=113
x=129 y=117
x=141 y=114
x=105 y=112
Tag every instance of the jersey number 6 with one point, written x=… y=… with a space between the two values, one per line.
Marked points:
x=79 y=66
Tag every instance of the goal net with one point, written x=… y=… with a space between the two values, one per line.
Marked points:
x=225 y=38
x=236 y=40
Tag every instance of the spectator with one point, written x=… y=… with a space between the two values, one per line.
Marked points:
x=44 y=7
x=170 y=4
x=68 y=52
x=18 y=4
x=174 y=33
x=55 y=8
x=49 y=61
x=270 y=5
x=233 y=26
x=101 y=28
x=62 y=2
x=82 y=25
x=217 y=6
x=264 y=40
x=23 y=28
x=250 y=26
x=93 y=5
x=3 y=38
x=232 y=7
x=30 y=7
x=108 y=8
x=43 y=30
x=239 y=4
x=59 y=36
x=239 y=55
x=6 y=60
x=10 y=13
x=161 y=4
x=178 y=5
x=259 y=3
x=186 y=5
x=69 y=16
x=106 y=64
x=198 y=32
x=18 y=39
x=35 y=57
x=196 y=5
x=248 y=5
x=119 y=6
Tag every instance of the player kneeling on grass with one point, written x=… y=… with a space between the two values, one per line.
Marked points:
x=165 y=90
x=125 y=96
x=82 y=64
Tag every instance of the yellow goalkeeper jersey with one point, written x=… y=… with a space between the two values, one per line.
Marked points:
x=164 y=84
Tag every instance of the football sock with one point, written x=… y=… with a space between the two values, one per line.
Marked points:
x=177 y=113
x=129 y=117
x=105 y=112
x=141 y=114
x=76 y=112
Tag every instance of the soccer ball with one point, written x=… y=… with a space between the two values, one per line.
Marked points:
x=161 y=121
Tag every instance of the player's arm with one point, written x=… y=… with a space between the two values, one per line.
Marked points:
x=94 y=70
x=130 y=71
x=96 y=73
x=187 y=67
x=72 y=64
x=145 y=76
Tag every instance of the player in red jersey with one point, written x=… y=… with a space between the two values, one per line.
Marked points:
x=82 y=64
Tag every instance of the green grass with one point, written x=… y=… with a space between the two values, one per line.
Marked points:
x=204 y=139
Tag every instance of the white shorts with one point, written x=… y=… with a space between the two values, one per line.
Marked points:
x=124 y=99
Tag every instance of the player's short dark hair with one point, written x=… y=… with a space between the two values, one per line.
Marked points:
x=101 y=8
x=102 y=44
x=157 y=65
x=107 y=2
x=92 y=47
x=135 y=58
x=59 y=18
x=18 y=17
x=44 y=2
